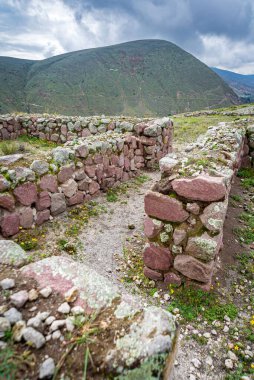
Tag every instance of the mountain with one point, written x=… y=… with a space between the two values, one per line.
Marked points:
x=243 y=85
x=146 y=77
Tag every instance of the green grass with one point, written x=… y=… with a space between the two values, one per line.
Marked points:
x=236 y=197
x=8 y=147
x=187 y=129
x=8 y=366
x=195 y=302
x=247 y=177
x=37 y=142
x=112 y=195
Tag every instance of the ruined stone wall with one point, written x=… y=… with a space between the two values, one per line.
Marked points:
x=186 y=209
x=60 y=129
x=77 y=171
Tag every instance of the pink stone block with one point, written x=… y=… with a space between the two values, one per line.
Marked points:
x=158 y=258
x=165 y=208
x=26 y=194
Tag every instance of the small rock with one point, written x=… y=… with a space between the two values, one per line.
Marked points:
x=226 y=329
x=33 y=295
x=33 y=337
x=45 y=292
x=226 y=318
x=50 y=320
x=231 y=355
x=207 y=335
x=33 y=308
x=43 y=315
x=64 y=308
x=47 y=369
x=56 y=334
x=166 y=297
x=17 y=331
x=35 y=322
x=229 y=364
x=69 y=325
x=7 y=283
x=20 y=298
x=76 y=310
x=4 y=325
x=196 y=363
x=213 y=332
x=58 y=323
x=209 y=361
x=48 y=337
x=71 y=295
x=13 y=315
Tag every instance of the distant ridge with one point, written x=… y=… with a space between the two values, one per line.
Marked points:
x=145 y=77
x=243 y=85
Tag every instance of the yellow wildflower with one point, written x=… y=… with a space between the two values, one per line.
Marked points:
x=252 y=365
x=236 y=347
x=252 y=322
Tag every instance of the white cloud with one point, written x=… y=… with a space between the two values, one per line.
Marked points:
x=220 y=51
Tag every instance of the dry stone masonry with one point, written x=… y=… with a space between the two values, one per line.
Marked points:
x=77 y=170
x=186 y=209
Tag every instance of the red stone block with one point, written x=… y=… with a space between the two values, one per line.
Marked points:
x=152 y=274
x=75 y=199
x=26 y=194
x=193 y=268
x=42 y=216
x=93 y=187
x=49 y=183
x=172 y=278
x=165 y=208
x=158 y=258
x=65 y=173
x=90 y=170
x=43 y=201
x=201 y=188
x=7 y=201
x=10 y=224
x=152 y=228
x=26 y=217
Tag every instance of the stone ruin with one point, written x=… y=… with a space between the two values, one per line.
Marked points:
x=186 y=209
x=95 y=154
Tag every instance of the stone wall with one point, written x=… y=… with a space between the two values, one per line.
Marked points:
x=60 y=129
x=186 y=209
x=77 y=171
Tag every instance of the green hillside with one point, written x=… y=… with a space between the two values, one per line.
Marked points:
x=243 y=85
x=146 y=77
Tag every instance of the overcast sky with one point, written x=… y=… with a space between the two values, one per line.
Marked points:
x=218 y=32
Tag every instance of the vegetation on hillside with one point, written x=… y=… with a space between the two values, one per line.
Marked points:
x=146 y=77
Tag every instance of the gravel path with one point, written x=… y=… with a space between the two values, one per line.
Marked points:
x=103 y=238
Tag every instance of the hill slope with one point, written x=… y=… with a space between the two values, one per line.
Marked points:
x=243 y=85
x=146 y=77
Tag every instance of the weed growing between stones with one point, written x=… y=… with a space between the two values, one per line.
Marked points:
x=193 y=303
x=8 y=147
